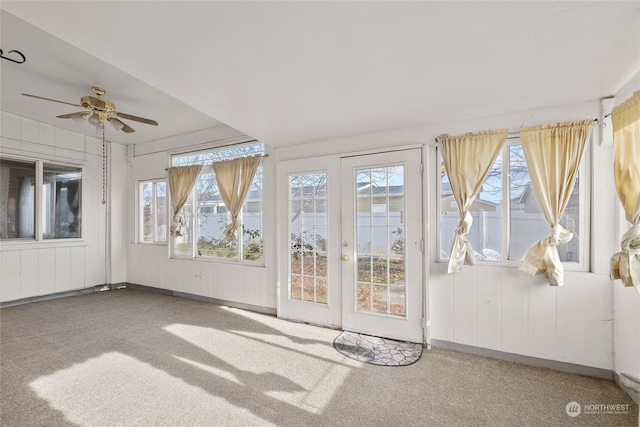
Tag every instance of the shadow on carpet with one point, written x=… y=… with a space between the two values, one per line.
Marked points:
x=377 y=351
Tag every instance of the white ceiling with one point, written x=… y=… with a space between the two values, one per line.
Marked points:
x=294 y=72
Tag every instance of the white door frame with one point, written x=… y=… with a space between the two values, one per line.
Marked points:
x=410 y=326
x=330 y=317
x=328 y=314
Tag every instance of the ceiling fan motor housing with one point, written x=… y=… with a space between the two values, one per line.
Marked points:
x=104 y=105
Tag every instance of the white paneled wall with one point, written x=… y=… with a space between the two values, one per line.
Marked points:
x=502 y=309
x=626 y=332
x=149 y=265
x=29 y=268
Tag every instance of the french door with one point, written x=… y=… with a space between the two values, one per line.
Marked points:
x=351 y=247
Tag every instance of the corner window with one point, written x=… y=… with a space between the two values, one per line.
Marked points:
x=206 y=216
x=153 y=211
x=40 y=200
x=506 y=218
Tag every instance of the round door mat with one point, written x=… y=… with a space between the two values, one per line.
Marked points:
x=377 y=351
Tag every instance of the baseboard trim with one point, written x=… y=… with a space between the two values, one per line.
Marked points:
x=632 y=394
x=243 y=306
x=73 y=293
x=570 y=368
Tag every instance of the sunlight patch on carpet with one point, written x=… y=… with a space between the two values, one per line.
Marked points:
x=377 y=351
x=113 y=387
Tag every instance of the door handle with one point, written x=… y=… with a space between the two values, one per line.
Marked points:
x=345 y=257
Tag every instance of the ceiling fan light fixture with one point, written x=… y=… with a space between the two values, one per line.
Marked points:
x=94 y=119
x=116 y=123
x=78 y=119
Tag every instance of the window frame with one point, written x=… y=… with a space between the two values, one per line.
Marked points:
x=38 y=238
x=193 y=225
x=140 y=206
x=584 y=229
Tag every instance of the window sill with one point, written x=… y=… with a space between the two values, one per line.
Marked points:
x=516 y=264
x=24 y=244
x=221 y=261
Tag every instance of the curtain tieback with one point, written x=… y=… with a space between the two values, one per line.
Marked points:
x=461 y=252
x=465 y=224
x=177 y=228
x=230 y=229
x=630 y=242
x=625 y=265
x=559 y=235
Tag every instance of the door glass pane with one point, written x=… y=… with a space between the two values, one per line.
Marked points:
x=380 y=285
x=308 y=237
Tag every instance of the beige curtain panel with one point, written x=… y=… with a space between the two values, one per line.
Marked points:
x=181 y=181
x=625 y=265
x=553 y=154
x=234 y=179
x=467 y=161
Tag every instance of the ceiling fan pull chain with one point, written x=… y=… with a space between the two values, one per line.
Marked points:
x=104 y=168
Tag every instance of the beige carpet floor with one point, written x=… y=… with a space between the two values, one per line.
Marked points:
x=136 y=358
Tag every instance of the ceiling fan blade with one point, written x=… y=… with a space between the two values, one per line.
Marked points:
x=53 y=100
x=137 y=119
x=120 y=125
x=128 y=129
x=72 y=115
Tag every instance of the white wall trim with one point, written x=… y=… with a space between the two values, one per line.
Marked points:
x=569 y=368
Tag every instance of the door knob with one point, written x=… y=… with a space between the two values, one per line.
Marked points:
x=345 y=257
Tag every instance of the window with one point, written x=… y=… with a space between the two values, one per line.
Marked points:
x=40 y=200
x=503 y=232
x=153 y=211
x=206 y=216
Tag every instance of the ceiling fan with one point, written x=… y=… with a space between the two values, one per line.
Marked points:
x=97 y=110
